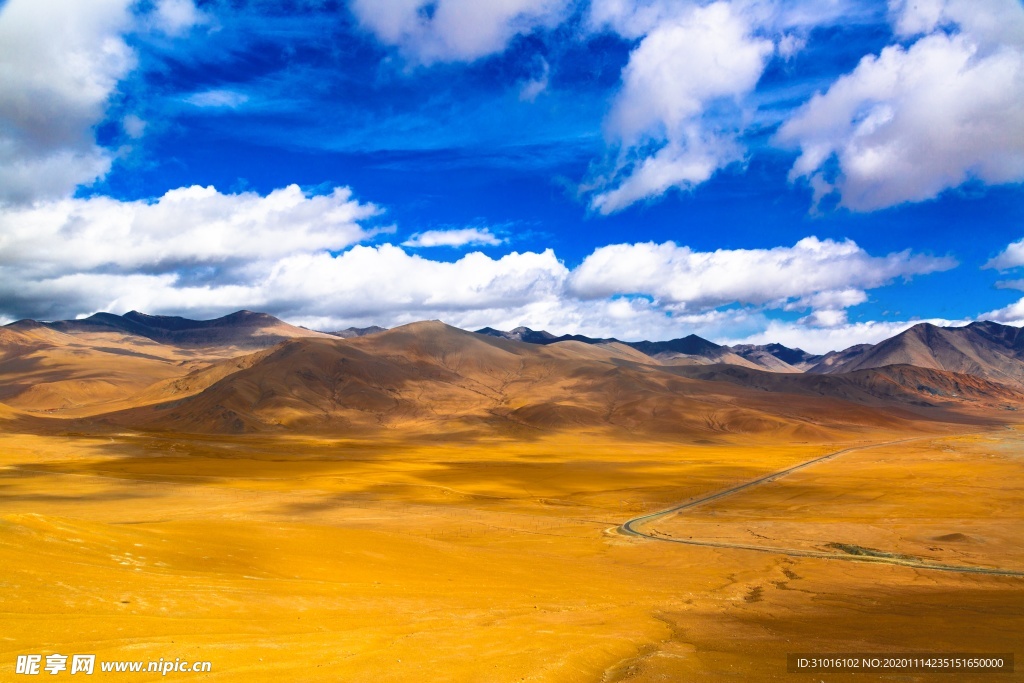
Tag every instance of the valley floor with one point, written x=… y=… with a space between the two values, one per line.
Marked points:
x=292 y=558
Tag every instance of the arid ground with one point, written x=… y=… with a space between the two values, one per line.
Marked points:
x=429 y=504
x=328 y=559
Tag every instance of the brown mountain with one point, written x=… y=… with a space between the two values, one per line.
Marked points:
x=689 y=350
x=167 y=373
x=350 y=332
x=983 y=349
x=106 y=361
x=242 y=329
x=903 y=384
x=434 y=379
x=774 y=357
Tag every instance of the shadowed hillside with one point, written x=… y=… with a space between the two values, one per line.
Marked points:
x=166 y=373
x=904 y=384
x=242 y=329
x=105 y=362
x=983 y=349
x=430 y=377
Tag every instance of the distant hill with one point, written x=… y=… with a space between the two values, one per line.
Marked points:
x=525 y=334
x=244 y=329
x=776 y=357
x=905 y=384
x=250 y=371
x=75 y=367
x=983 y=349
x=350 y=332
x=435 y=379
x=986 y=350
x=689 y=349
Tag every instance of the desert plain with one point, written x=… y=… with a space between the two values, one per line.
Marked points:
x=178 y=504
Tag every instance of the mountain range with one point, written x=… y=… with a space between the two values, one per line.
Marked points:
x=983 y=349
x=250 y=372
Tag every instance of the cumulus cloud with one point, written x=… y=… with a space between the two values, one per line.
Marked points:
x=59 y=64
x=1011 y=257
x=636 y=18
x=387 y=280
x=1008 y=315
x=175 y=17
x=190 y=233
x=791 y=44
x=133 y=126
x=453 y=238
x=428 y=31
x=913 y=121
x=990 y=22
x=822 y=273
x=687 y=101
x=632 y=18
x=196 y=251
x=683 y=66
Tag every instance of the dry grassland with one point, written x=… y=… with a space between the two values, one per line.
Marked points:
x=293 y=558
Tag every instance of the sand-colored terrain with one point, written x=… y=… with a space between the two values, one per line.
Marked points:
x=323 y=559
x=427 y=504
x=882 y=502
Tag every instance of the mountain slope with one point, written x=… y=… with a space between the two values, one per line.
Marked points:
x=891 y=384
x=44 y=370
x=242 y=329
x=350 y=332
x=685 y=351
x=106 y=361
x=430 y=378
x=776 y=357
x=984 y=349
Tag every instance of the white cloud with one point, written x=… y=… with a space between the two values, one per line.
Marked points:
x=817 y=272
x=991 y=23
x=911 y=122
x=828 y=318
x=1010 y=284
x=531 y=89
x=1011 y=257
x=791 y=44
x=428 y=31
x=196 y=251
x=187 y=227
x=683 y=65
x=1008 y=315
x=175 y=17
x=633 y=18
x=453 y=238
x=831 y=299
x=133 y=126
x=1007 y=259
x=386 y=280
x=217 y=99
x=59 y=64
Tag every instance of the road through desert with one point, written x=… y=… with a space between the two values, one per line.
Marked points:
x=633 y=527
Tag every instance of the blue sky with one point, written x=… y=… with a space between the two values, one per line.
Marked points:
x=818 y=173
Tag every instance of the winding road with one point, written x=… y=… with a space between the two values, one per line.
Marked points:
x=633 y=526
